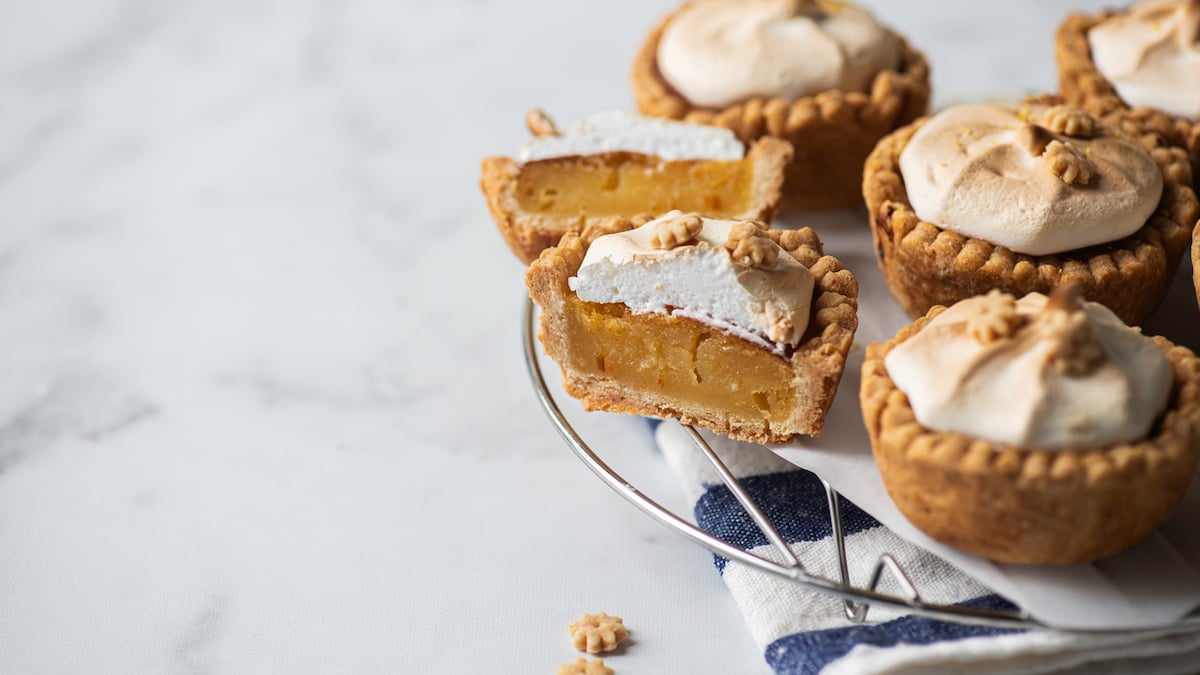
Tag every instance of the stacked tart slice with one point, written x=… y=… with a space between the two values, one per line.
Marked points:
x=621 y=164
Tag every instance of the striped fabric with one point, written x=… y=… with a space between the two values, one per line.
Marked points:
x=803 y=631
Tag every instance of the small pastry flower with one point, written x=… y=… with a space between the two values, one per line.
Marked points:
x=597 y=632
x=997 y=318
x=540 y=124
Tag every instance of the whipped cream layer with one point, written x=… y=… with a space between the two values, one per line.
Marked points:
x=767 y=305
x=1151 y=55
x=990 y=172
x=1012 y=388
x=718 y=52
x=622 y=131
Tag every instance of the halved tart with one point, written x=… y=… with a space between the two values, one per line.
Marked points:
x=667 y=357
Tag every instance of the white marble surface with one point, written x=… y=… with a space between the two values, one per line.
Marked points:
x=262 y=404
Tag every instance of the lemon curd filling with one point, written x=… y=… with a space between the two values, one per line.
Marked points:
x=622 y=183
x=678 y=361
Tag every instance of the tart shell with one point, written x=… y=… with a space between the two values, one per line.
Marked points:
x=925 y=265
x=832 y=132
x=1082 y=85
x=1017 y=505
x=815 y=365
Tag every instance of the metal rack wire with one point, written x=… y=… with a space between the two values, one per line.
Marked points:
x=857 y=600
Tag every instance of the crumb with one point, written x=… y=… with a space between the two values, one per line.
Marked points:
x=1063 y=119
x=997 y=318
x=675 y=229
x=1070 y=165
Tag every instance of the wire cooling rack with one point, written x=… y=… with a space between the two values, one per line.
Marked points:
x=857 y=601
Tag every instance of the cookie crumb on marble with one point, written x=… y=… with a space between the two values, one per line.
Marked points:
x=597 y=632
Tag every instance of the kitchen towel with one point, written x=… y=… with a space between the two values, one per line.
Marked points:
x=803 y=631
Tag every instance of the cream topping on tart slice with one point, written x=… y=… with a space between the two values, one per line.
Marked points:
x=1046 y=373
x=618 y=131
x=718 y=52
x=725 y=273
x=1151 y=55
x=1034 y=179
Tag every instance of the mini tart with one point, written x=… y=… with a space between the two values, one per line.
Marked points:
x=925 y=265
x=1016 y=505
x=1082 y=85
x=535 y=203
x=831 y=132
x=670 y=366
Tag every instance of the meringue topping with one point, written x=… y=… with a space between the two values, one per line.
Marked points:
x=1036 y=180
x=1151 y=55
x=718 y=52
x=726 y=273
x=617 y=131
x=1066 y=373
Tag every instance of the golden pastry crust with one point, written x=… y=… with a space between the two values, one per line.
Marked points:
x=1081 y=84
x=599 y=632
x=831 y=132
x=1196 y=261
x=925 y=265
x=1015 y=505
x=527 y=234
x=815 y=366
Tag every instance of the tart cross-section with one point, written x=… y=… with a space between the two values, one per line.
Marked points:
x=732 y=326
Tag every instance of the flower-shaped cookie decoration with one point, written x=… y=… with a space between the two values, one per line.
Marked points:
x=582 y=666
x=1069 y=164
x=997 y=318
x=1069 y=121
x=597 y=632
x=675 y=229
x=1075 y=349
x=749 y=244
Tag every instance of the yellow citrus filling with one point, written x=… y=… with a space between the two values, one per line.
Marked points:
x=625 y=184
x=679 y=361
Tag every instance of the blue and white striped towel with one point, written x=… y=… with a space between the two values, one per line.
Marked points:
x=802 y=631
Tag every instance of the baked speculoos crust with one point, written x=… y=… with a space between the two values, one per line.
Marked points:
x=925 y=265
x=814 y=367
x=1016 y=505
x=1082 y=85
x=832 y=132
